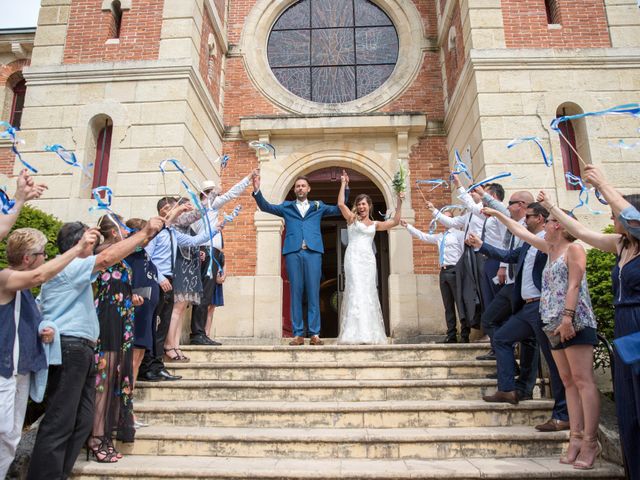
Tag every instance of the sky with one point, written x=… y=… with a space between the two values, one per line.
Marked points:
x=19 y=13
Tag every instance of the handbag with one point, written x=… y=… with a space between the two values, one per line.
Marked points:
x=549 y=328
x=628 y=348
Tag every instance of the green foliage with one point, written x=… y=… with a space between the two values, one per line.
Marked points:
x=599 y=266
x=34 y=218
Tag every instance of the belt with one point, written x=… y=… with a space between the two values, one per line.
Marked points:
x=84 y=341
x=531 y=300
x=447 y=267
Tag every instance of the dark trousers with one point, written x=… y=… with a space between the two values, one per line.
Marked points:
x=152 y=361
x=522 y=325
x=627 y=390
x=68 y=420
x=487 y=287
x=497 y=312
x=199 y=311
x=304 y=269
x=448 y=292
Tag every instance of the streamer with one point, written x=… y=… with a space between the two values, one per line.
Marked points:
x=10 y=132
x=489 y=180
x=583 y=196
x=548 y=159
x=258 y=146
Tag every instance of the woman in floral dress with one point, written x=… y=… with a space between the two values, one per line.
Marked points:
x=114 y=353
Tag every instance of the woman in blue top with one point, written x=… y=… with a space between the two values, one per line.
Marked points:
x=626 y=289
x=23 y=354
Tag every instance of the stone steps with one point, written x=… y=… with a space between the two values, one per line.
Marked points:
x=334 y=353
x=337 y=412
x=415 y=370
x=223 y=468
x=389 y=443
x=391 y=414
x=317 y=391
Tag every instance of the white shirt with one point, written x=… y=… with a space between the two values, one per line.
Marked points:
x=213 y=204
x=460 y=222
x=453 y=243
x=494 y=230
x=528 y=289
x=302 y=206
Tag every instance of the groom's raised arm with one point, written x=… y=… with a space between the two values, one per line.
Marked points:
x=265 y=206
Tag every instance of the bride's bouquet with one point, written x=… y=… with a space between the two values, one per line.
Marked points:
x=400 y=179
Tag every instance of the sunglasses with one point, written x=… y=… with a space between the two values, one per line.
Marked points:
x=528 y=215
x=44 y=254
x=513 y=202
x=547 y=220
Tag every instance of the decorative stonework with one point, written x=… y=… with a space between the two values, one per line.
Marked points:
x=253 y=47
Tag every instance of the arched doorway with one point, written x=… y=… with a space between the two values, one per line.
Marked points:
x=325 y=184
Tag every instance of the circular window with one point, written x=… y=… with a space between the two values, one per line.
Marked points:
x=332 y=51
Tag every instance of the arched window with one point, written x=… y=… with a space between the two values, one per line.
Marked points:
x=116 y=13
x=573 y=142
x=102 y=128
x=553 y=11
x=19 y=93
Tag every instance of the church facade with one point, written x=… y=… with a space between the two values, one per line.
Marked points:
x=332 y=84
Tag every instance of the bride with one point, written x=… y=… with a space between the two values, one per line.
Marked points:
x=360 y=315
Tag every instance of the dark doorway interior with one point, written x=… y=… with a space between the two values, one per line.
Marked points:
x=325 y=184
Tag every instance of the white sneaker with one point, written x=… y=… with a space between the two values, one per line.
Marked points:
x=138 y=424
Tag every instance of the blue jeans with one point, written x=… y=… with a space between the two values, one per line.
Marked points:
x=524 y=324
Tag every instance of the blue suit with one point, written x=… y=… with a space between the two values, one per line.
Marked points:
x=304 y=266
x=524 y=323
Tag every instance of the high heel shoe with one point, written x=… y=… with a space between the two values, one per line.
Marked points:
x=183 y=357
x=176 y=358
x=112 y=449
x=100 y=451
x=582 y=464
x=570 y=457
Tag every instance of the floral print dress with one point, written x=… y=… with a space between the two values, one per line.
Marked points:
x=114 y=354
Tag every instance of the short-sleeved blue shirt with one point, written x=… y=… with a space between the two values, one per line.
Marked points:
x=67 y=300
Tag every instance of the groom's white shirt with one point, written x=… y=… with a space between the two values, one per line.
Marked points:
x=302 y=207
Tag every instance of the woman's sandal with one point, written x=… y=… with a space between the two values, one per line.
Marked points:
x=582 y=464
x=183 y=357
x=575 y=442
x=176 y=358
x=100 y=451
x=113 y=450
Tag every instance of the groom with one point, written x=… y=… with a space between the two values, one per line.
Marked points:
x=302 y=251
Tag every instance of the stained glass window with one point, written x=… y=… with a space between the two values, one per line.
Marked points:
x=332 y=51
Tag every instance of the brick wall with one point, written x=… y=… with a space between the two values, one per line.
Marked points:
x=240 y=237
x=428 y=159
x=454 y=57
x=7 y=159
x=210 y=63
x=584 y=24
x=90 y=27
x=6 y=70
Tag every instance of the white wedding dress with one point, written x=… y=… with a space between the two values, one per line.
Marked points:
x=360 y=315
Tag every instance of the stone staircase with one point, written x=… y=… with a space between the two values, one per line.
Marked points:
x=374 y=412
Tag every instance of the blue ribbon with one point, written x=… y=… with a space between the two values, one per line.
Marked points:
x=231 y=216
x=6 y=204
x=460 y=167
x=583 y=196
x=68 y=157
x=489 y=180
x=178 y=166
x=632 y=109
x=599 y=195
x=436 y=182
x=10 y=131
x=434 y=223
x=205 y=218
x=548 y=159
x=257 y=145
x=224 y=161
x=106 y=205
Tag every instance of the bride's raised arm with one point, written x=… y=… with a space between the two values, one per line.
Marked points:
x=392 y=222
x=348 y=215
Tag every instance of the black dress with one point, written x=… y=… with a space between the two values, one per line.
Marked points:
x=114 y=354
x=145 y=277
x=187 y=284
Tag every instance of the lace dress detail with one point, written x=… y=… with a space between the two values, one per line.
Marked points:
x=361 y=319
x=555 y=281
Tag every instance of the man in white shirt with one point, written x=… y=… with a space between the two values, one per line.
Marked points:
x=450 y=247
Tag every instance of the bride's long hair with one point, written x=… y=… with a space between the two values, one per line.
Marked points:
x=362 y=196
